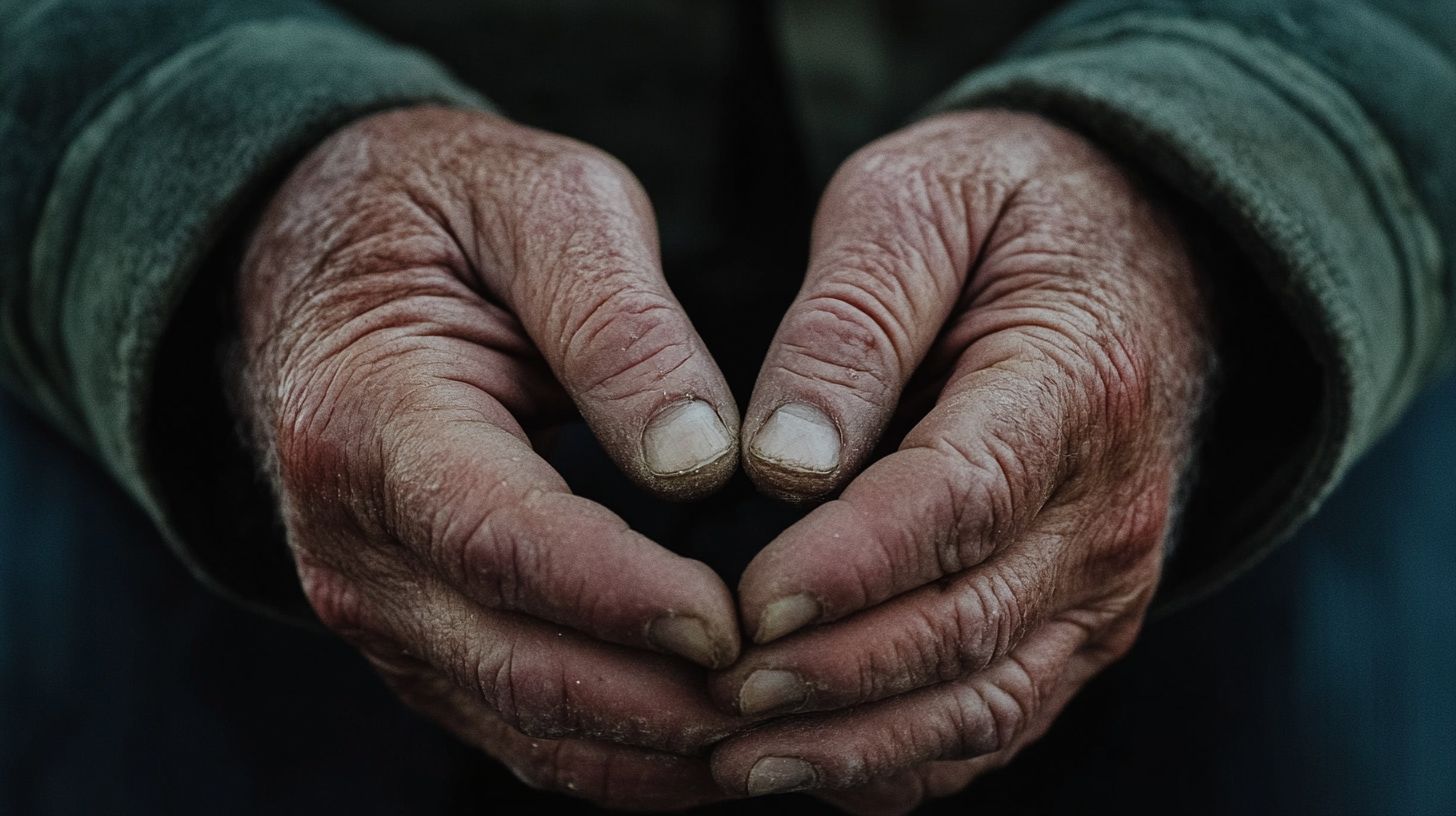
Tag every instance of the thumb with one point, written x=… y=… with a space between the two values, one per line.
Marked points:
x=573 y=251
x=891 y=249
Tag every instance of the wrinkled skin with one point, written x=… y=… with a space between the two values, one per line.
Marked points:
x=430 y=288
x=967 y=584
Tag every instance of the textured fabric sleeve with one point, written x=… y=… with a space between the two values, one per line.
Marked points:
x=1315 y=135
x=133 y=136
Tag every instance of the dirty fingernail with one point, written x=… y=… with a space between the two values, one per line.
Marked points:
x=786 y=615
x=686 y=636
x=684 y=436
x=779 y=775
x=798 y=437
x=770 y=689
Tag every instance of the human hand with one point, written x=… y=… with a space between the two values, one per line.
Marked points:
x=965 y=586
x=413 y=296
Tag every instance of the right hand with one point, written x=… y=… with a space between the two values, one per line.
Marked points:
x=426 y=289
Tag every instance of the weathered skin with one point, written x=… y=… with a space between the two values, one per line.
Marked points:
x=429 y=287
x=1008 y=549
x=407 y=298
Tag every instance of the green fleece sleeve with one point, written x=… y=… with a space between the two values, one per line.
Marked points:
x=1315 y=135
x=133 y=136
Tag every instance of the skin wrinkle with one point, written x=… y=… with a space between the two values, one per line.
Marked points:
x=855 y=324
x=988 y=491
x=603 y=389
x=945 y=653
x=492 y=578
x=612 y=302
x=1009 y=719
x=999 y=463
x=876 y=252
x=858 y=286
x=359 y=318
x=532 y=214
x=1122 y=426
x=849 y=381
x=638 y=351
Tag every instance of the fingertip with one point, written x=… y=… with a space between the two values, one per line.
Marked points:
x=786 y=615
x=689 y=449
x=772 y=775
x=687 y=637
x=740 y=769
x=705 y=633
x=796 y=453
x=809 y=574
x=767 y=691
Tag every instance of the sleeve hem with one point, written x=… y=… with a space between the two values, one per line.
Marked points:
x=1284 y=161
x=147 y=190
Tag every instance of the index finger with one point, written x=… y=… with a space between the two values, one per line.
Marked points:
x=509 y=534
x=441 y=470
x=967 y=480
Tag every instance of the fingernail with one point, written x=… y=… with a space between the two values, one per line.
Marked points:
x=684 y=436
x=786 y=615
x=686 y=636
x=800 y=437
x=779 y=775
x=770 y=689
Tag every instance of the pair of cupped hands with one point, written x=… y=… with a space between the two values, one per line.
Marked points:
x=430 y=288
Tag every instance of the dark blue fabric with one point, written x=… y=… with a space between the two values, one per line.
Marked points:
x=1322 y=682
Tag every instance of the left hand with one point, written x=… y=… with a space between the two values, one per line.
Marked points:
x=962 y=589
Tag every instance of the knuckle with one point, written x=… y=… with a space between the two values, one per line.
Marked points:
x=981 y=720
x=626 y=342
x=309 y=449
x=980 y=628
x=584 y=203
x=1005 y=474
x=528 y=697
x=577 y=166
x=882 y=668
x=881 y=168
x=980 y=621
x=892 y=750
x=1090 y=358
x=874 y=307
x=1009 y=712
x=495 y=561
x=924 y=192
x=335 y=600
x=930 y=653
x=327 y=439
x=437 y=499
x=981 y=482
x=841 y=341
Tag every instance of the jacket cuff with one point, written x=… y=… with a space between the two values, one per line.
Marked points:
x=1283 y=162
x=144 y=197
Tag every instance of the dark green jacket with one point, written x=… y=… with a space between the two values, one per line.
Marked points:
x=1314 y=137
